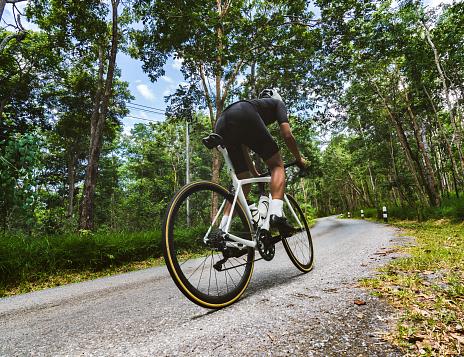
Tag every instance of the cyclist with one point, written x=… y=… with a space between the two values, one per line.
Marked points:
x=243 y=126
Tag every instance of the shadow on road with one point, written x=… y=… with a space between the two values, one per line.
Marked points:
x=261 y=282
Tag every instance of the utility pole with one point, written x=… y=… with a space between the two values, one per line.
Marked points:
x=187 y=164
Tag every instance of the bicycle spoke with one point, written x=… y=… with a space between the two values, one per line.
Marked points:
x=197 y=268
x=209 y=281
x=196 y=246
x=201 y=273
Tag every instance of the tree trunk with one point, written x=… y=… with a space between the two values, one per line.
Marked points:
x=71 y=184
x=2 y=7
x=428 y=174
x=457 y=135
x=403 y=141
x=449 y=150
x=97 y=125
x=374 y=192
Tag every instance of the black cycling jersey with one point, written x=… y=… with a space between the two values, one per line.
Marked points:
x=269 y=109
x=244 y=123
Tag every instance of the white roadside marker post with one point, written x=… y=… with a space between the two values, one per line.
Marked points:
x=349 y=214
x=362 y=214
x=385 y=215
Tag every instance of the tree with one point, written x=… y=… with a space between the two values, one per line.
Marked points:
x=218 y=40
x=89 y=34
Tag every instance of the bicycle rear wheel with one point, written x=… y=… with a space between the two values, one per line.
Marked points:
x=193 y=246
x=299 y=245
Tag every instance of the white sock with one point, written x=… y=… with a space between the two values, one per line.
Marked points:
x=223 y=223
x=276 y=207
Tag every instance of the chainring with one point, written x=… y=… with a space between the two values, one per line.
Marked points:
x=265 y=246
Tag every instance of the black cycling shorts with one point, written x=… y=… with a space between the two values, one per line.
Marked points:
x=240 y=124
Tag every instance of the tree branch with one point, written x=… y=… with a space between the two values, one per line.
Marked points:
x=231 y=80
x=207 y=95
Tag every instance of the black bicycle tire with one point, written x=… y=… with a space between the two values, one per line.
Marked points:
x=305 y=268
x=212 y=302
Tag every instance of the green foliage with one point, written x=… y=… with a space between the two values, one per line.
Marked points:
x=19 y=159
x=451 y=208
x=25 y=258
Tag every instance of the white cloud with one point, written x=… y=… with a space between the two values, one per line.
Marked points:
x=177 y=63
x=166 y=92
x=146 y=92
x=138 y=81
x=167 y=79
x=143 y=115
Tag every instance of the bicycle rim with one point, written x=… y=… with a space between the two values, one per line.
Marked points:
x=190 y=260
x=298 y=246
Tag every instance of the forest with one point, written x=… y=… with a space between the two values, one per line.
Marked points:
x=374 y=90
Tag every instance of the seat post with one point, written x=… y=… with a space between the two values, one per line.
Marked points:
x=225 y=154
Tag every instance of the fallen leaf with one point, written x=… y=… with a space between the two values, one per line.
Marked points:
x=359 y=302
x=416 y=338
x=458 y=337
x=420 y=311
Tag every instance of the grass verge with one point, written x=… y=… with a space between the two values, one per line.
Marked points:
x=63 y=277
x=31 y=263
x=34 y=263
x=427 y=287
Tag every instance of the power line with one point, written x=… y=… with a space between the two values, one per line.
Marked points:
x=144 y=110
x=146 y=106
x=150 y=120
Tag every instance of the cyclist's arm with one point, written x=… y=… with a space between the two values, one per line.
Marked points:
x=286 y=133
x=251 y=166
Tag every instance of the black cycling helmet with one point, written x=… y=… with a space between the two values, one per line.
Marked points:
x=270 y=93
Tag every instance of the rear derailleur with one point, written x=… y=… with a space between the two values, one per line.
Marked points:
x=217 y=240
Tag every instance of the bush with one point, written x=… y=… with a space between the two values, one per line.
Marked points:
x=24 y=258
x=452 y=208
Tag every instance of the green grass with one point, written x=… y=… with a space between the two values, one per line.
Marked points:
x=29 y=263
x=427 y=287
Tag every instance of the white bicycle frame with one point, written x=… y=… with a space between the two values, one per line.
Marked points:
x=240 y=197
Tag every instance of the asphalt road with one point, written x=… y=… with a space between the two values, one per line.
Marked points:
x=283 y=312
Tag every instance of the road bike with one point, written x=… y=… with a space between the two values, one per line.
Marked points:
x=211 y=266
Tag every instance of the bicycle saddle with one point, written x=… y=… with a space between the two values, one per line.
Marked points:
x=213 y=140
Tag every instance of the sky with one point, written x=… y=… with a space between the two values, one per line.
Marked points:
x=146 y=93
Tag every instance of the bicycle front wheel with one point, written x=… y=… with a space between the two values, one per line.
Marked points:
x=299 y=246
x=208 y=268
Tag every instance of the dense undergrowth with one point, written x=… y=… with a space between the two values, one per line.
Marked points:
x=452 y=208
x=28 y=259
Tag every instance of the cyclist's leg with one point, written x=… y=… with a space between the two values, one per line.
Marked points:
x=276 y=166
x=266 y=147
x=260 y=140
